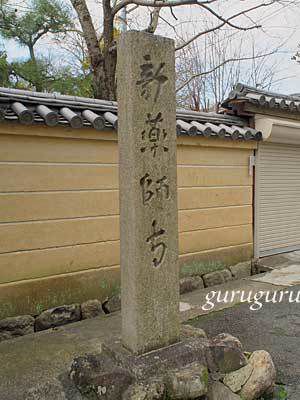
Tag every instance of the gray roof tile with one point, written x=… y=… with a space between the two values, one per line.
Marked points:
x=263 y=99
x=78 y=112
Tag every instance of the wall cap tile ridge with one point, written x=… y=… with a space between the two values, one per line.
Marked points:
x=264 y=99
x=78 y=112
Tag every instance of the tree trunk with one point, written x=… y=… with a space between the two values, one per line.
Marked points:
x=103 y=58
x=31 y=52
x=38 y=83
x=104 y=83
x=106 y=70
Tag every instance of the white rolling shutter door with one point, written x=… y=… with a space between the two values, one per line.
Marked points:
x=277 y=212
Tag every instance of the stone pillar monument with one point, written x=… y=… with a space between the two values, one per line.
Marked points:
x=148 y=191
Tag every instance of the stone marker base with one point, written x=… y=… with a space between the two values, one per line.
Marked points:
x=194 y=368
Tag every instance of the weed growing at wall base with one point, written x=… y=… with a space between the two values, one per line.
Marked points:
x=197 y=268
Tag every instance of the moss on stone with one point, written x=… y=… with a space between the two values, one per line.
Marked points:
x=205 y=377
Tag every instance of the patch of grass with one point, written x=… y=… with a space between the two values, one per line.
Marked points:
x=167 y=396
x=115 y=290
x=281 y=394
x=197 y=268
x=205 y=377
x=39 y=308
x=104 y=284
x=6 y=310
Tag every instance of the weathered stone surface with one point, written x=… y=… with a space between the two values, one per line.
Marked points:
x=241 y=270
x=148 y=191
x=262 y=378
x=227 y=353
x=113 y=303
x=58 y=316
x=98 y=377
x=172 y=357
x=192 y=332
x=236 y=379
x=218 y=391
x=217 y=278
x=182 y=367
x=91 y=309
x=189 y=382
x=16 y=326
x=190 y=283
x=151 y=390
x=53 y=389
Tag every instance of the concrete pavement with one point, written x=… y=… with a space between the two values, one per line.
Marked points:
x=35 y=367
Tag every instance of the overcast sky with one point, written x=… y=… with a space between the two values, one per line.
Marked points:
x=281 y=26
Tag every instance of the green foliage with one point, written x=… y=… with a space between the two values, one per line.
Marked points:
x=39 y=308
x=115 y=290
x=43 y=75
x=44 y=16
x=4 y=70
x=104 y=284
x=205 y=376
x=66 y=82
x=282 y=394
x=39 y=73
x=30 y=73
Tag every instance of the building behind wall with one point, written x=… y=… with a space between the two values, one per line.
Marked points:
x=59 y=225
x=277 y=167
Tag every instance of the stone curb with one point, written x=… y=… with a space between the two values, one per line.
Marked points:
x=238 y=271
x=12 y=327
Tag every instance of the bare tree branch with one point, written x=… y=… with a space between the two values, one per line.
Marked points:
x=132 y=9
x=194 y=76
x=173 y=14
x=226 y=22
x=168 y=23
x=154 y=20
x=159 y=3
x=88 y=29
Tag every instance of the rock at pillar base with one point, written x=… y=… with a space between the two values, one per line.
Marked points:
x=189 y=382
x=186 y=370
x=218 y=391
x=189 y=331
x=262 y=379
x=151 y=390
x=236 y=379
x=117 y=374
x=173 y=357
x=98 y=377
x=227 y=353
